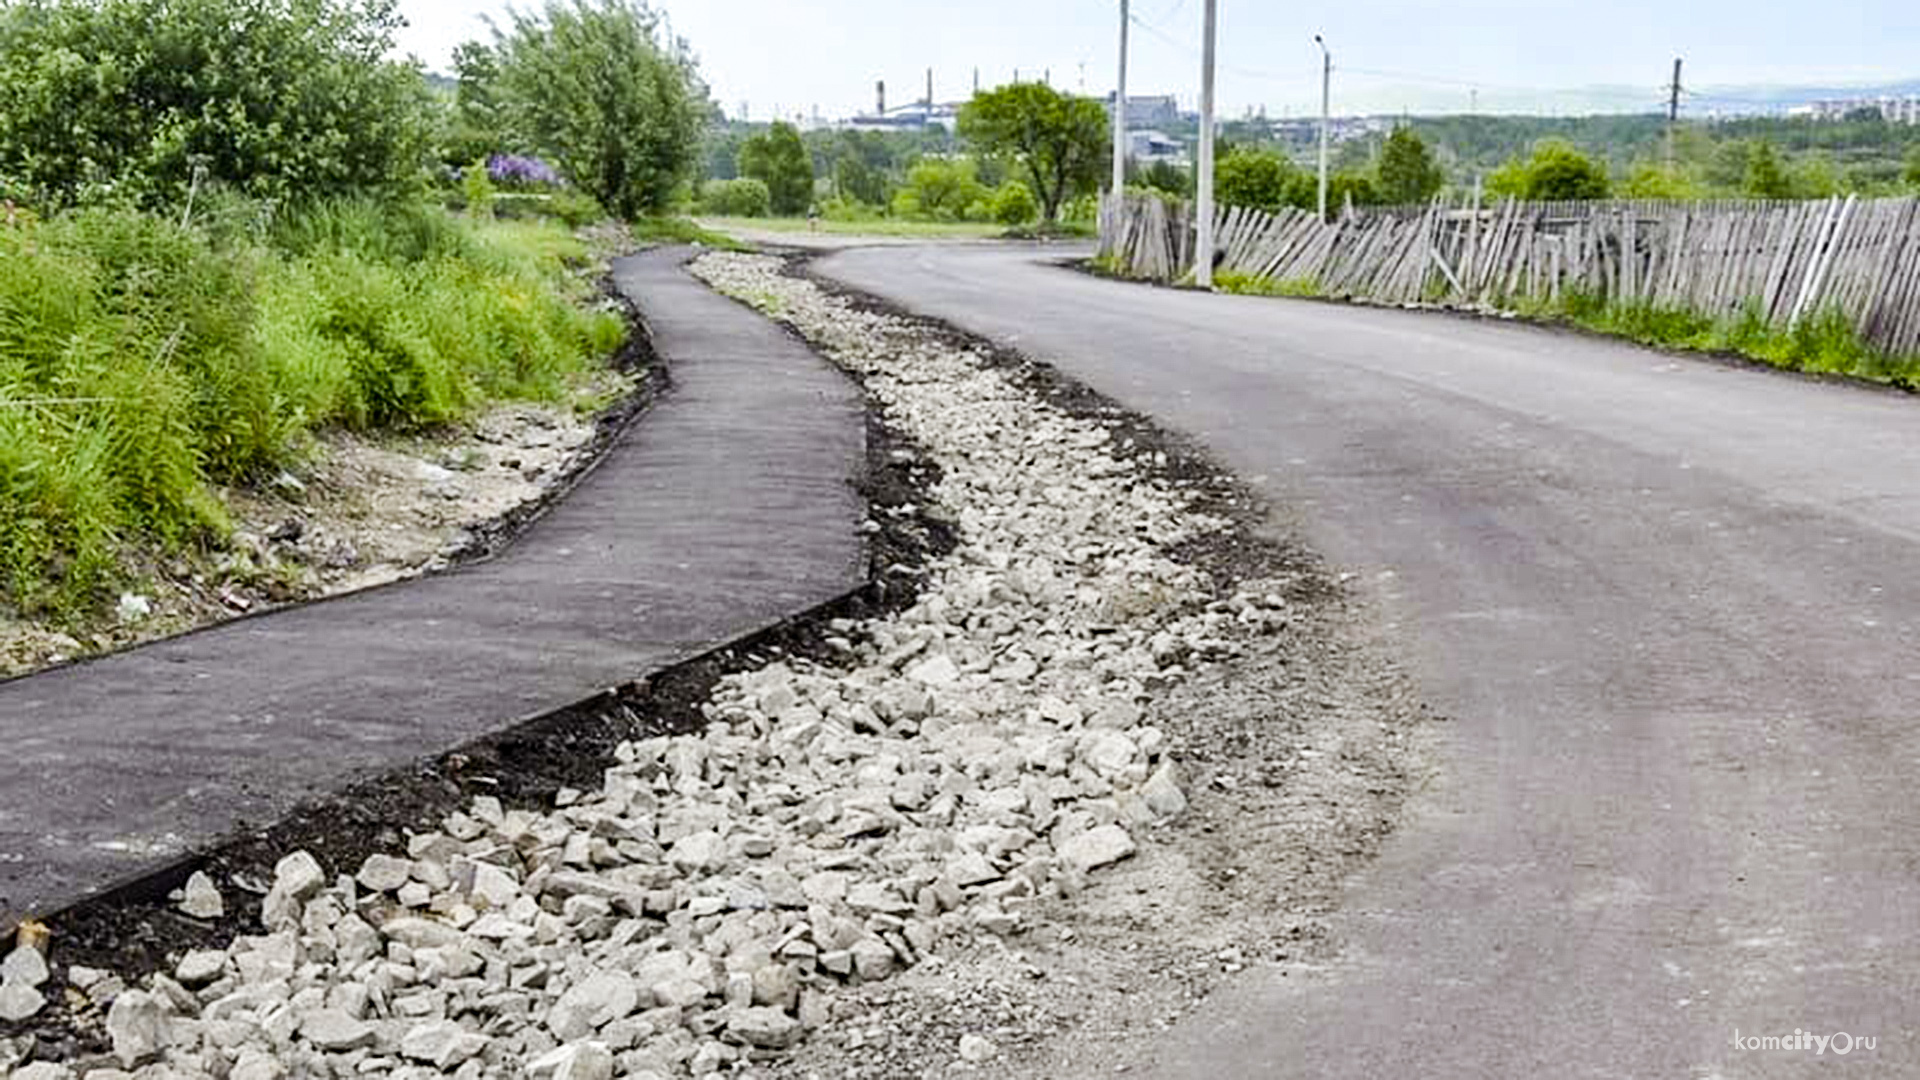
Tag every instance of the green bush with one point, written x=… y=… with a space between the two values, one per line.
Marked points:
x=1013 y=204
x=745 y=197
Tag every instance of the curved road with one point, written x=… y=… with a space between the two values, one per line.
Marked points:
x=1669 y=608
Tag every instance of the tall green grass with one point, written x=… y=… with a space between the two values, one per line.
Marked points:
x=143 y=362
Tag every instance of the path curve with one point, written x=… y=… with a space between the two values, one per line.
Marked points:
x=1670 y=608
x=727 y=508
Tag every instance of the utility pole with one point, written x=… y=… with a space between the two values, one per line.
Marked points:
x=1326 y=115
x=1673 y=110
x=1203 y=251
x=1120 y=112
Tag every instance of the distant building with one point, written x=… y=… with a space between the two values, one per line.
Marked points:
x=1148 y=111
x=1894 y=110
x=914 y=117
x=1149 y=147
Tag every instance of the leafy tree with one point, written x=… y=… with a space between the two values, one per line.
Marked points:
x=471 y=125
x=1408 y=173
x=136 y=97
x=1912 y=174
x=776 y=158
x=1765 y=178
x=1059 y=140
x=1556 y=171
x=940 y=188
x=1342 y=188
x=1257 y=178
x=586 y=84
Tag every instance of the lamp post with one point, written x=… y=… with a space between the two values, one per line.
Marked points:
x=1326 y=114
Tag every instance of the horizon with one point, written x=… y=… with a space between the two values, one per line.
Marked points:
x=1480 y=61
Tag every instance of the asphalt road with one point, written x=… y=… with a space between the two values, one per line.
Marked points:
x=725 y=509
x=1668 y=607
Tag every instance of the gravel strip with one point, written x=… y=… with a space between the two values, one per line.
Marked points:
x=953 y=775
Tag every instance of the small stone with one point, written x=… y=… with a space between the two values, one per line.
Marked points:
x=767 y=1028
x=200 y=967
x=19 y=1002
x=872 y=959
x=575 y=1061
x=702 y=852
x=42 y=1070
x=384 y=873
x=1097 y=847
x=1162 y=793
x=976 y=1048
x=333 y=1030
x=137 y=1024
x=83 y=978
x=592 y=1003
x=299 y=876
x=24 y=966
x=442 y=1044
x=201 y=899
x=935 y=671
x=255 y=1065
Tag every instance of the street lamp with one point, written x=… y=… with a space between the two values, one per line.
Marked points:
x=1326 y=100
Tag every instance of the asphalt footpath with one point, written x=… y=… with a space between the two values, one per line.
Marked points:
x=727 y=508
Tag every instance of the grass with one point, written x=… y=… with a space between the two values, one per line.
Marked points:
x=890 y=227
x=1227 y=281
x=679 y=230
x=1825 y=343
x=142 y=363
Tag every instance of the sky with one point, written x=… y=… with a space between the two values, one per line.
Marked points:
x=1537 y=56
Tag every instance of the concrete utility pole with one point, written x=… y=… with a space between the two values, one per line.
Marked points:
x=1673 y=110
x=1203 y=251
x=1120 y=112
x=1326 y=116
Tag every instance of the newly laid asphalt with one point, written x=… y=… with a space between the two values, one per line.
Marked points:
x=1669 y=608
x=725 y=509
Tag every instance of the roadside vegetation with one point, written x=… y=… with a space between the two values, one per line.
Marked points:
x=1024 y=159
x=225 y=229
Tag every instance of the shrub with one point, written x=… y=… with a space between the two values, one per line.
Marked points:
x=1013 y=204
x=736 y=198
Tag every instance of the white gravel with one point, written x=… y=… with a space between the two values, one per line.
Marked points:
x=973 y=755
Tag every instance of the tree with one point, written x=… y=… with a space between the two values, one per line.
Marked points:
x=1257 y=178
x=940 y=188
x=1560 y=172
x=138 y=97
x=1555 y=172
x=1912 y=174
x=1408 y=173
x=1765 y=178
x=586 y=84
x=777 y=158
x=1059 y=140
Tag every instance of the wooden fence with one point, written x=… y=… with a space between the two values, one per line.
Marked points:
x=1782 y=260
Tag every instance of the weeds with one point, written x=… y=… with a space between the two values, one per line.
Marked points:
x=1228 y=281
x=142 y=362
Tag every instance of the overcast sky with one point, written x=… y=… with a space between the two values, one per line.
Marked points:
x=1389 y=55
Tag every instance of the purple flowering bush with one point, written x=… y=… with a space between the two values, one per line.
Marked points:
x=520 y=172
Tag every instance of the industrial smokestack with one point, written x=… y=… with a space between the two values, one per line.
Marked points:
x=880 y=98
x=929 y=91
